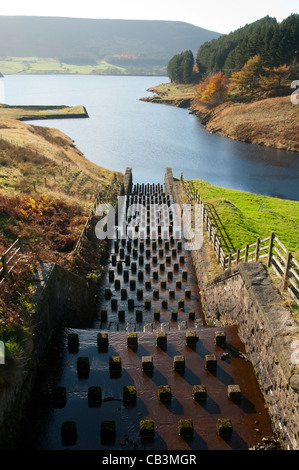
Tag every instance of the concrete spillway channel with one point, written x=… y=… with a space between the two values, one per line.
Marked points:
x=151 y=360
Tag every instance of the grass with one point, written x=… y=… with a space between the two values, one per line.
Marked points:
x=35 y=65
x=265 y=121
x=47 y=191
x=170 y=93
x=43 y=161
x=41 y=112
x=242 y=217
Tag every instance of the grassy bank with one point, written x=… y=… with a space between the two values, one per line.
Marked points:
x=271 y=121
x=28 y=113
x=242 y=217
x=47 y=191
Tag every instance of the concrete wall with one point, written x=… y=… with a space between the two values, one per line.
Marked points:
x=245 y=296
x=61 y=298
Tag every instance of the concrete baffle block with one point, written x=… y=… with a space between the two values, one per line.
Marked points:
x=108 y=432
x=139 y=294
x=179 y=363
x=191 y=338
x=224 y=427
x=155 y=293
x=199 y=392
x=129 y=395
x=220 y=338
x=161 y=339
x=188 y=293
x=139 y=316
x=147 y=363
x=147 y=428
x=174 y=315
x=115 y=363
x=73 y=342
x=156 y=315
x=185 y=428
x=132 y=340
x=234 y=392
x=121 y=316
x=102 y=341
x=210 y=362
x=164 y=392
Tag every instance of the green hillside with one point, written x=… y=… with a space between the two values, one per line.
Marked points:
x=276 y=44
x=86 y=45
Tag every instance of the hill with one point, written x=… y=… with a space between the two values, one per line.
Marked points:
x=44 y=161
x=109 y=46
x=276 y=44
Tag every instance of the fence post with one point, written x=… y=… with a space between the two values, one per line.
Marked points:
x=21 y=244
x=238 y=256
x=270 y=249
x=4 y=265
x=257 y=248
x=246 y=253
x=286 y=272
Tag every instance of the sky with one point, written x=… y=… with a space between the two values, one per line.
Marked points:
x=222 y=16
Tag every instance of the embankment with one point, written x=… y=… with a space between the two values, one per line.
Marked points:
x=272 y=122
x=41 y=112
x=245 y=296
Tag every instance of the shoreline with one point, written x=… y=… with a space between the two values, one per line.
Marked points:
x=270 y=122
x=42 y=112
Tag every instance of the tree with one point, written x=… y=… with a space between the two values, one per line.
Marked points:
x=248 y=79
x=180 y=67
x=212 y=90
x=275 y=77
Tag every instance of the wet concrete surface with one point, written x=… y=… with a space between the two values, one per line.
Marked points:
x=250 y=422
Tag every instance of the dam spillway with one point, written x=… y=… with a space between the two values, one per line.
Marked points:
x=154 y=332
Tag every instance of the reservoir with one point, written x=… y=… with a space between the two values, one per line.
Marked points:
x=123 y=131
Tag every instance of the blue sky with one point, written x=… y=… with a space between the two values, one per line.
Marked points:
x=221 y=16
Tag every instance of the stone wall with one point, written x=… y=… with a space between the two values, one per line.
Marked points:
x=245 y=296
x=61 y=298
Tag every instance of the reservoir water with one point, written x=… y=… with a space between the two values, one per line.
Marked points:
x=123 y=131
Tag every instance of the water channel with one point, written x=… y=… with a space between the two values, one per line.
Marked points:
x=149 y=295
x=124 y=132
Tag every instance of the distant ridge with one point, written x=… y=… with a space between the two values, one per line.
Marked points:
x=146 y=45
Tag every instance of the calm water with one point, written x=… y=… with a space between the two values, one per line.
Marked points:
x=123 y=131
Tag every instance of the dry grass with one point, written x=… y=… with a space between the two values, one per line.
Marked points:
x=39 y=160
x=272 y=122
x=40 y=112
x=47 y=189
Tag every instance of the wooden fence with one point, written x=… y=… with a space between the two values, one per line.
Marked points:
x=269 y=249
x=9 y=256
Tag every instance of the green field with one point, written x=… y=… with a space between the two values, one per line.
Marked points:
x=242 y=217
x=35 y=65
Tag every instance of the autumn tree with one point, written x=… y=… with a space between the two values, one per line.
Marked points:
x=247 y=80
x=212 y=90
x=275 y=77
